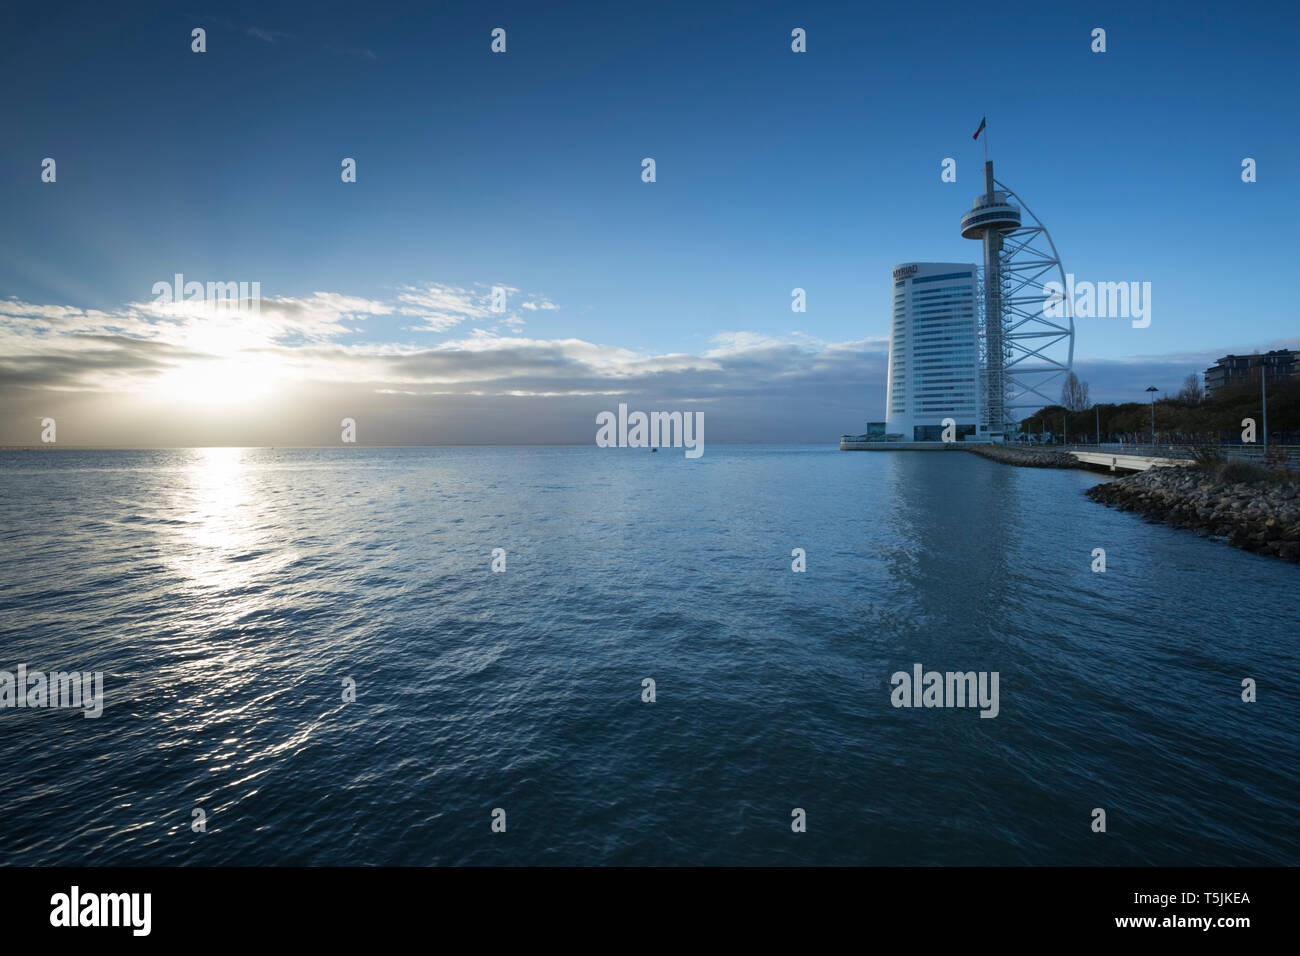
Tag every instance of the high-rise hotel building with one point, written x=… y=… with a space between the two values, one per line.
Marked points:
x=934 y=356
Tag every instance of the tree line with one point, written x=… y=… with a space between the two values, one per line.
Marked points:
x=1187 y=417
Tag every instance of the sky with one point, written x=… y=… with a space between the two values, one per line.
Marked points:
x=522 y=170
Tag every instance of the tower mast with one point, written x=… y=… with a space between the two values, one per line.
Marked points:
x=989 y=220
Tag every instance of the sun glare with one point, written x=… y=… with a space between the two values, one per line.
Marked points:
x=216 y=382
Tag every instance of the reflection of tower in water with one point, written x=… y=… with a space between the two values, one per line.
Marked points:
x=957 y=565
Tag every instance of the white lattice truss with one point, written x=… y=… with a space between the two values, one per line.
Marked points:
x=1037 y=350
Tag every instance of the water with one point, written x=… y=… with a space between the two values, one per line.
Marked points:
x=226 y=594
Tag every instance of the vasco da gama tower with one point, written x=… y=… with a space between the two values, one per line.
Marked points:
x=976 y=346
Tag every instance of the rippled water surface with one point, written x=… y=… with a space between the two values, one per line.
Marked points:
x=227 y=594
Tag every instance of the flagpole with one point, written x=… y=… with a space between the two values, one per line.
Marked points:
x=986 y=140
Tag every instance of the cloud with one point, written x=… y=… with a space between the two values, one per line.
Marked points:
x=730 y=343
x=95 y=350
x=443 y=307
x=1126 y=380
x=267 y=35
x=364 y=53
x=271 y=36
x=106 y=365
x=98 y=369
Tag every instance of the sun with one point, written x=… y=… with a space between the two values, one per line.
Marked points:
x=216 y=382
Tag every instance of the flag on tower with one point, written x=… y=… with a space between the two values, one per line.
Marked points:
x=981 y=129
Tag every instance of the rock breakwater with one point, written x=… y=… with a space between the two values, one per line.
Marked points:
x=1260 y=514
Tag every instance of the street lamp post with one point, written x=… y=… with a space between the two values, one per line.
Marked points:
x=1152 y=389
x=1263 y=394
x=1097 y=410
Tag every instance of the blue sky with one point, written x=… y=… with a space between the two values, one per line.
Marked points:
x=775 y=170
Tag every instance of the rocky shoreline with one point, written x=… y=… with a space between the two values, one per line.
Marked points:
x=1260 y=514
x=1026 y=456
x=1244 y=505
